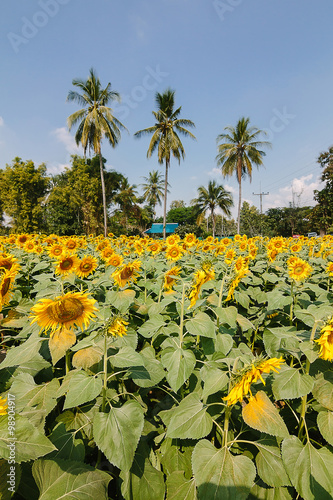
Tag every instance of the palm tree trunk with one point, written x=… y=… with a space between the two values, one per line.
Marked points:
x=103 y=193
x=165 y=197
x=239 y=206
x=213 y=222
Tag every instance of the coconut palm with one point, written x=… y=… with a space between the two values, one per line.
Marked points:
x=127 y=199
x=153 y=192
x=165 y=138
x=239 y=151
x=95 y=120
x=212 y=198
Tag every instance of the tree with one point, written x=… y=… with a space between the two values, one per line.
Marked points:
x=165 y=138
x=238 y=152
x=127 y=201
x=95 y=121
x=251 y=220
x=212 y=198
x=322 y=214
x=153 y=189
x=23 y=191
x=75 y=203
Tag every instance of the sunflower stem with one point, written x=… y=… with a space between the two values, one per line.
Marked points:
x=226 y=426
x=105 y=370
x=68 y=363
x=302 y=423
x=181 y=326
x=292 y=304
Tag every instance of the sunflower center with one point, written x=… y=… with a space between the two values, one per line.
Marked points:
x=126 y=273
x=65 y=310
x=66 y=264
x=5 y=286
x=298 y=270
x=86 y=267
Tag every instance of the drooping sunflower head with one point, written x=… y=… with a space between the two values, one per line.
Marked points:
x=116 y=327
x=170 y=277
x=67 y=265
x=3 y=406
x=74 y=309
x=325 y=342
x=8 y=262
x=329 y=268
x=7 y=279
x=127 y=273
x=86 y=266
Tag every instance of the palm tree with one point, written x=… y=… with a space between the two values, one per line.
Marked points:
x=238 y=151
x=165 y=136
x=153 y=189
x=211 y=198
x=127 y=199
x=95 y=120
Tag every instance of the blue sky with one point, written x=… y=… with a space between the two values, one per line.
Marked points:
x=267 y=60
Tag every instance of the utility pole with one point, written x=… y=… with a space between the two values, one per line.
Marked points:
x=261 y=194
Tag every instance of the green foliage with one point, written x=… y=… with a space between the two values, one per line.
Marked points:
x=23 y=190
x=145 y=414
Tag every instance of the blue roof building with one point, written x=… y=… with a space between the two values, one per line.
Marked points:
x=158 y=228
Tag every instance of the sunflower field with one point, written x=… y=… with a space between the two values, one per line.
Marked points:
x=141 y=369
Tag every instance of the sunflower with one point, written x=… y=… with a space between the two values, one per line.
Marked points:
x=115 y=260
x=67 y=264
x=172 y=240
x=3 y=406
x=174 y=252
x=190 y=239
x=154 y=247
x=200 y=278
x=299 y=269
x=74 y=309
x=139 y=249
x=252 y=373
x=229 y=256
x=117 y=327
x=8 y=262
x=21 y=239
x=107 y=252
x=329 y=268
x=7 y=279
x=170 y=277
x=86 y=266
x=29 y=246
x=71 y=244
x=127 y=273
x=326 y=342
x=55 y=251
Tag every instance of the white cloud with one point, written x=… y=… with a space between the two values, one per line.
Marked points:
x=67 y=140
x=57 y=168
x=215 y=172
x=299 y=192
x=2 y=122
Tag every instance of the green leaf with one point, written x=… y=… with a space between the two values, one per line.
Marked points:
x=201 y=325
x=180 y=488
x=127 y=356
x=34 y=401
x=290 y=383
x=261 y=414
x=323 y=390
x=219 y=475
x=82 y=388
x=68 y=447
x=280 y=338
x=9 y=474
x=227 y=315
x=117 y=433
x=143 y=481
x=69 y=480
x=121 y=300
x=244 y=323
x=214 y=380
x=150 y=327
x=22 y=353
x=325 y=425
x=179 y=363
x=269 y=463
x=29 y=442
x=310 y=470
x=276 y=300
x=242 y=298
x=190 y=419
x=260 y=493
x=151 y=373
x=175 y=456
